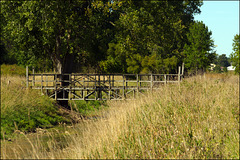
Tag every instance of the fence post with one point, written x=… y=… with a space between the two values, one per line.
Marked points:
x=27 y=78
x=165 y=79
x=137 y=85
x=182 y=68
x=179 y=72
x=42 y=84
x=151 y=82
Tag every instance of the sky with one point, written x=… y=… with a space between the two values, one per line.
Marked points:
x=222 y=18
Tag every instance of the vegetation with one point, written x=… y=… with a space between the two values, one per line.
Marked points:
x=9 y=70
x=197 y=119
x=235 y=55
x=221 y=62
x=25 y=110
x=198 y=52
x=107 y=36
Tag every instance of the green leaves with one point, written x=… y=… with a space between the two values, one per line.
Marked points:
x=235 y=54
x=199 y=52
x=108 y=36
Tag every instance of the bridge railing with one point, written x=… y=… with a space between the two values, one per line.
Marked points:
x=78 y=86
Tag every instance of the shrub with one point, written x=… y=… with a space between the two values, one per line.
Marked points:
x=25 y=109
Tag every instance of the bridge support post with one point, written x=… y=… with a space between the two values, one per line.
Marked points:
x=151 y=82
x=165 y=79
x=179 y=74
x=27 y=78
x=123 y=94
x=137 y=85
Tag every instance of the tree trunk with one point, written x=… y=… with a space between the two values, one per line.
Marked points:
x=63 y=66
x=67 y=69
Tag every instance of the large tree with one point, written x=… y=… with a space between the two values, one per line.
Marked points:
x=57 y=32
x=235 y=54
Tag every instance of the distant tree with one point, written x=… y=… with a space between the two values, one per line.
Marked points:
x=222 y=60
x=199 y=50
x=235 y=54
x=217 y=69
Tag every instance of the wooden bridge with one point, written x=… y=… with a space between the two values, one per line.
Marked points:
x=98 y=86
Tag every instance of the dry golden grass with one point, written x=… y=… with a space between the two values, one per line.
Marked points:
x=197 y=119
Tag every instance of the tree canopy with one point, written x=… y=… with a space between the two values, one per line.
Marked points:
x=199 y=49
x=108 y=36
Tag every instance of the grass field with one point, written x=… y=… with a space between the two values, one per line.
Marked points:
x=197 y=119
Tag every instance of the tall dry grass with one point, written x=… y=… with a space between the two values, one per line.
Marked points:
x=197 y=119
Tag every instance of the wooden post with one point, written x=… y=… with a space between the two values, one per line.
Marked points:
x=55 y=81
x=42 y=83
x=33 y=80
x=113 y=80
x=95 y=87
x=123 y=88
x=179 y=73
x=137 y=85
x=83 y=94
x=151 y=82
x=109 y=89
x=70 y=86
x=182 y=68
x=99 y=87
x=165 y=79
x=46 y=80
x=140 y=82
x=27 y=78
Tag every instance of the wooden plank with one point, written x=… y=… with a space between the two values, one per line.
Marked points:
x=179 y=72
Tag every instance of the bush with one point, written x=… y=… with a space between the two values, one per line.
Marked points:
x=87 y=108
x=25 y=109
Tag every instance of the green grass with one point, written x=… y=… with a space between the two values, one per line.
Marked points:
x=88 y=108
x=26 y=109
x=12 y=70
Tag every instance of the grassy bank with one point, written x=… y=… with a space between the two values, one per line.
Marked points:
x=198 y=119
x=25 y=110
